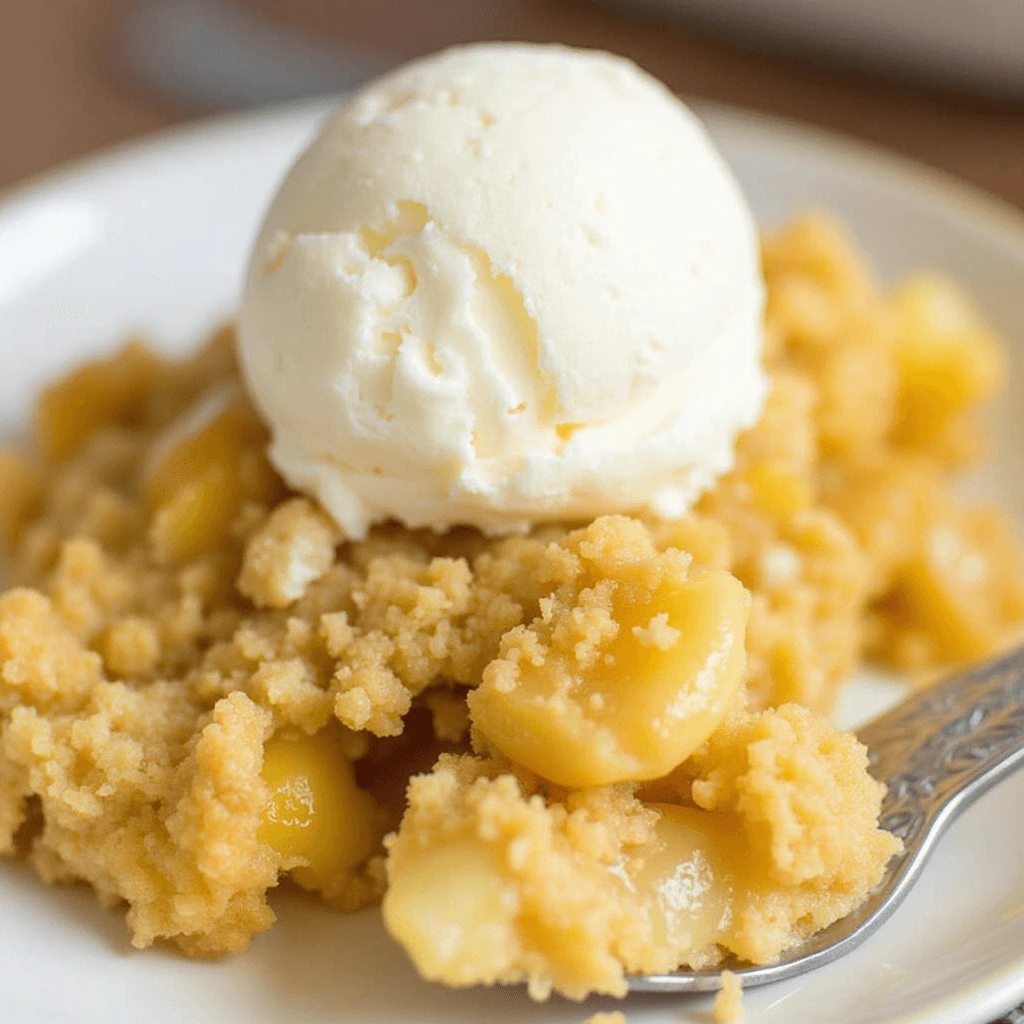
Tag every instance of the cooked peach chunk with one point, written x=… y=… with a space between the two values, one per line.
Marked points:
x=618 y=680
x=20 y=494
x=777 y=491
x=686 y=876
x=216 y=432
x=200 y=471
x=196 y=518
x=102 y=393
x=462 y=934
x=948 y=360
x=964 y=588
x=650 y=887
x=318 y=819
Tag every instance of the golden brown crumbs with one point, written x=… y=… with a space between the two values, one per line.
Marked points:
x=782 y=840
x=293 y=548
x=180 y=628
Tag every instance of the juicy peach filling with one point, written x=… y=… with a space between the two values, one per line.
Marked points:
x=686 y=876
x=621 y=680
x=201 y=471
x=320 y=822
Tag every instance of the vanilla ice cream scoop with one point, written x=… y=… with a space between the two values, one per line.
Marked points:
x=506 y=284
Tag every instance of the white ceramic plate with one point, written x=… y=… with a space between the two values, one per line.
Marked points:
x=154 y=236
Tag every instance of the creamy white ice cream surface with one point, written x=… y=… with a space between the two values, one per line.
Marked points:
x=506 y=284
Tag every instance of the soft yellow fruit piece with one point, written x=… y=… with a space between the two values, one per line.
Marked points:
x=687 y=876
x=965 y=585
x=20 y=494
x=197 y=517
x=948 y=360
x=631 y=704
x=227 y=431
x=201 y=470
x=454 y=910
x=317 y=813
x=102 y=393
x=778 y=491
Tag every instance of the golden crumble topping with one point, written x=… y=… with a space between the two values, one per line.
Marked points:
x=608 y=730
x=772 y=836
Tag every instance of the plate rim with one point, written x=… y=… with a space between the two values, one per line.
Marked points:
x=999 y=215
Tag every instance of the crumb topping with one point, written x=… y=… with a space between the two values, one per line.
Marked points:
x=185 y=645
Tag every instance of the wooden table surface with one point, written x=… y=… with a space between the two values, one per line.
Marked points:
x=64 y=92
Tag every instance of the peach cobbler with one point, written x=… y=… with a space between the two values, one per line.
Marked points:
x=560 y=756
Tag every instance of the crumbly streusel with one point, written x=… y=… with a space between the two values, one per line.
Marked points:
x=174 y=609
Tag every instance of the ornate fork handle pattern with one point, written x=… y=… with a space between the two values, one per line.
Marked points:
x=941 y=748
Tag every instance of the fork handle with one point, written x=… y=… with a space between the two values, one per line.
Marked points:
x=942 y=747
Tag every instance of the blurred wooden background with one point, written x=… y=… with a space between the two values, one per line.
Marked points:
x=64 y=90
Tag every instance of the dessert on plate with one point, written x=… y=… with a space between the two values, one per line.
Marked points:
x=503 y=564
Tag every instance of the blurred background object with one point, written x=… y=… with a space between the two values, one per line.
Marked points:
x=215 y=53
x=978 y=45
x=77 y=75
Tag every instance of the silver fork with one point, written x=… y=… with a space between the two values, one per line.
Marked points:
x=937 y=751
